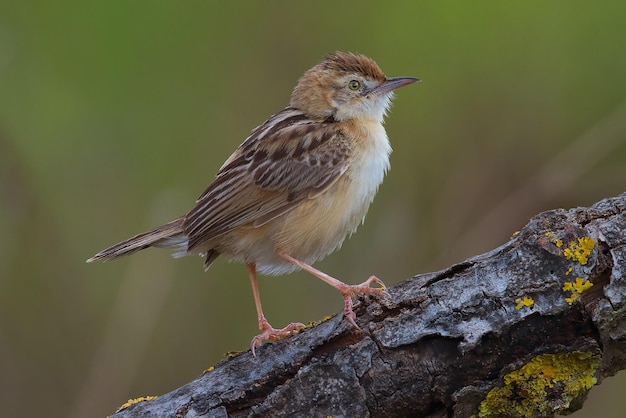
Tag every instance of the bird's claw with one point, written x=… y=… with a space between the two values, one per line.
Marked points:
x=366 y=287
x=268 y=333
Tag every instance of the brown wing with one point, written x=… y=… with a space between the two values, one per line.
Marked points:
x=286 y=160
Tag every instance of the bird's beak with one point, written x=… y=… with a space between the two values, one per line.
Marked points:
x=393 y=83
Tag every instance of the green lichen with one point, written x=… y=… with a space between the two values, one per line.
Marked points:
x=546 y=385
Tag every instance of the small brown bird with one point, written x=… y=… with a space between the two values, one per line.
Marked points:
x=296 y=187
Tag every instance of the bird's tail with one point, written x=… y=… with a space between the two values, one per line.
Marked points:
x=170 y=236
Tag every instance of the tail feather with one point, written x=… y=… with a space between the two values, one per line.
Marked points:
x=170 y=235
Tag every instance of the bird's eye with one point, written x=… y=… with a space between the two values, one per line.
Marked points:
x=354 y=85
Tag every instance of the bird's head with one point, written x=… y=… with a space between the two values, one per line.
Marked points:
x=346 y=86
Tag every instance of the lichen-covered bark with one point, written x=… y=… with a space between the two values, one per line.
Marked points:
x=524 y=329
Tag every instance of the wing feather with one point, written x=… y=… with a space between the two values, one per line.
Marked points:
x=286 y=160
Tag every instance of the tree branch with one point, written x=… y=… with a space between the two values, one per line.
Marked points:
x=525 y=329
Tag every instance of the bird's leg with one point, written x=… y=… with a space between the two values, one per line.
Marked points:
x=346 y=290
x=268 y=333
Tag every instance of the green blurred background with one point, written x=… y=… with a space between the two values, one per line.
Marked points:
x=115 y=115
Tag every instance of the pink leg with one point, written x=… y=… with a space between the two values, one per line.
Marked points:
x=267 y=332
x=346 y=290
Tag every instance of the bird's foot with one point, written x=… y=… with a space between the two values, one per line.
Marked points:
x=349 y=291
x=268 y=333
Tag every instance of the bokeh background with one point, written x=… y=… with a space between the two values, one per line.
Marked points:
x=115 y=115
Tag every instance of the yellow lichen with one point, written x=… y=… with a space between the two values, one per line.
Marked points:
x=546 y=385
x=580 y=250
x=568 y=271
x=210 y=369
x=135 y=401
x=556 y=241
x=576 y=288
x=311 y=324
x=524 y=301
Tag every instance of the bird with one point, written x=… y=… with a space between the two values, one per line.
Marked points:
x=296 y=188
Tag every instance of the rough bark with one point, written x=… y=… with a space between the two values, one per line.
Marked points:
x=523 y=330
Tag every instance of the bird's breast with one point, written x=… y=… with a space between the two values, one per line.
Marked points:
x=370 y=162
x=320 y=225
